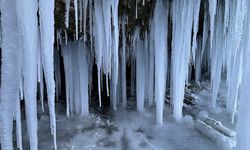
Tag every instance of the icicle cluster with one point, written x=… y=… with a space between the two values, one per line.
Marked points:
x=214 y=43
x=23 y=61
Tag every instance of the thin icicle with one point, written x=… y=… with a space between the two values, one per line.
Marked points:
x=136 y=9
x=80 y=14
x=76 y=17
x=195 y=28
x=85 y=6
x=124 y=87
x=18 y=125
x=90 y=24
x=67 y=8
x=212 y=13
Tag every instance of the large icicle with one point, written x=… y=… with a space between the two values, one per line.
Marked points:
x=9 y=71
x=182 y=28
x=30 y=35
x=160 y=43
x=46 y=12
x=243 y=127
x=234 y=55
x=218 y=46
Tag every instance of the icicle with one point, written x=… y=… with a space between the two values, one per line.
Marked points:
x=182 y=21
x=29 y=32
x=115 y=44
x=46 y=13
x=83 y=70
x=99 y=36
x=90 y=25
x=140 y=75
x=41 y=86
x=212 y=13
x=195 y=27
x=76 y=101
x=124 y=87
x=160 y=43
x=151 y=66
x=136 y=9
x=66 y=68
x=66 y=37
x=18 y=125
x=76 y=17
x=216 y=61
x=80 y=16
x=243 y=130
x=234 y=56
x=9 y=70
x=85 y=5
x=107 y=46
x=226 y=15
x=205 y=33
x=67 y=8
x=21 y=87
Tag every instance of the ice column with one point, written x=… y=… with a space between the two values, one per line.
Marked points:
x=124 y=87
x=160 y=44
x=140 y=75
x=182 y=29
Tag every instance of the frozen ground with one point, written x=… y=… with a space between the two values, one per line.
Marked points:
x=127 y=129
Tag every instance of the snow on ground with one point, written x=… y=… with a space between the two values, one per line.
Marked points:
x=127 y=129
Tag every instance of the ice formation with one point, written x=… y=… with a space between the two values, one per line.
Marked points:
x=46 y=13
x=185 y=41
x=161 y=58
x=181 y=45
